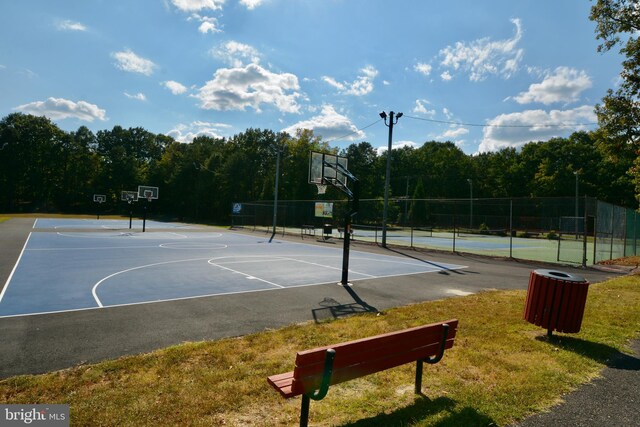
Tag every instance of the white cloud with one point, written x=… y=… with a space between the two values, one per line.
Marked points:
x=208 y=24
x=361 y=86
x=398 y=144
x=237 y=54
x=420 y=108
x=333 y=82
x=139 y=96
x=251 y=4
x=563 y=85
x=59 y=109
x=534 y=125
x=484 y=57
x=175 y=87
x=453 y=134
x=251 y=86
x=197 y=5
x=127 y=60
x=329 y=124
x=446 y=76
x=422 y=68
x=187 y=132
x=70 y=26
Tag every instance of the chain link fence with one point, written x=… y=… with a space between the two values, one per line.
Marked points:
x=567 y=230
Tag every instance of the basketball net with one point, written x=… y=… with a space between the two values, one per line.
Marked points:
x=322 y=188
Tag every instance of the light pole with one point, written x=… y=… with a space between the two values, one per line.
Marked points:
x=470 y=203
x=576 y=173
x=387 y=177
x=278 y=147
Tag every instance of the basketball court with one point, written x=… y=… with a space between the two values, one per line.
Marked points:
x=69 y=265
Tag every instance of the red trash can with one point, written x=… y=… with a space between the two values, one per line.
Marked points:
x=556 y=300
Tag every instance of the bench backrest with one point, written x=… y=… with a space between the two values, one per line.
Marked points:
x=365 y=356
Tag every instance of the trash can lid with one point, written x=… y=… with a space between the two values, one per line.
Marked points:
x=560 y=275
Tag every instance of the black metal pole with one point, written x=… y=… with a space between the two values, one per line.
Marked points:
x=144 y=218
x=355 y=204
x=304 y=411
x=387 y=179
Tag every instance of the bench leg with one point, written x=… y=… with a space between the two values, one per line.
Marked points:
x=418 y=389
x=304 y=411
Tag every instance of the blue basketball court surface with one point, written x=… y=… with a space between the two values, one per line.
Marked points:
x=92 y=264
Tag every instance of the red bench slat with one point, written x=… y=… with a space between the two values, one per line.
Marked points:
x=311 y=381
x=362 y=357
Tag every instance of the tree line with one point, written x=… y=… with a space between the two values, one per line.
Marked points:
x=46 y=169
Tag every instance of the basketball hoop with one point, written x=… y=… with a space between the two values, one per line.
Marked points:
x=322 y=188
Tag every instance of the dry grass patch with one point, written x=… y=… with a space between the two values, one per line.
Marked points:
x=501 y=369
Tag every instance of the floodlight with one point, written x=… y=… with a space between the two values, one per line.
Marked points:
x=383 y=115
x=398 y=115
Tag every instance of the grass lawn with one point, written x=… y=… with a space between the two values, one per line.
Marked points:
x=500 y=370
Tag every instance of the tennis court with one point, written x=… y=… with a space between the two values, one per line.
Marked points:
x=70 y=265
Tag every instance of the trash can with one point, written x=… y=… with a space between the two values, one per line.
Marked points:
x=556 y=300
x=327 y=230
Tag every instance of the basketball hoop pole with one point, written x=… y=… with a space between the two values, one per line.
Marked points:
x=354 y=202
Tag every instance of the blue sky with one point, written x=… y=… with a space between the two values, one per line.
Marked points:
x=528 y=68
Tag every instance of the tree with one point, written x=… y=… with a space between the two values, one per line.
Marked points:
x=32 y=150
x=618 y=24
x=362 y=160
x=418 y=213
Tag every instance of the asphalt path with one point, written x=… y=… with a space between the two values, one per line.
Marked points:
x=48 y=342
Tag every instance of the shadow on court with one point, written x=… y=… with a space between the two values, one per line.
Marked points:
x=332 y=309
x=443 y=268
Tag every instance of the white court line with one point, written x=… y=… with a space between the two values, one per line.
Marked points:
x=91 y=248
x=34 y=223
x=219 y=294
x=248 y=276
x=6 y=285
x=95 y=287
x=330 y=267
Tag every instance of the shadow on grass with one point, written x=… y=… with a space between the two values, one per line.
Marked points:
x=601 y=353
x=423 y=408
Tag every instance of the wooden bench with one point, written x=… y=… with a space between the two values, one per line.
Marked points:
x=317 y=369
x=309 y=230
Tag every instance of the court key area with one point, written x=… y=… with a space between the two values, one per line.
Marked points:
x=69 y=265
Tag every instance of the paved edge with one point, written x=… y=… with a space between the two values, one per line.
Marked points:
x=613 y=399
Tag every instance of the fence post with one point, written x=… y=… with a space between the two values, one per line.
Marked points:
x=411 y=236
x=510 y=228
x=454 y=227
x=584 y=232
x=613 y=217
x=595 y=232
x=635 y=232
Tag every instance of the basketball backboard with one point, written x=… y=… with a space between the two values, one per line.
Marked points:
x=129 y=196
x=327 y=169
x=99 y=198
x=147 y=192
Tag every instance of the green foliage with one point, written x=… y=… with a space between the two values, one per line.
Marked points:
x=618 y=24
x=43 y=168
